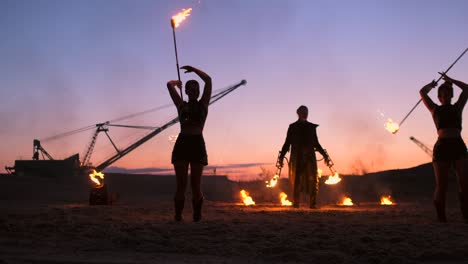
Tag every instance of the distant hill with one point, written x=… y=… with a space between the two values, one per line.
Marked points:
x=411 y=184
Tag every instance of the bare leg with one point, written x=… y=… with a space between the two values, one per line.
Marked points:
x=181 y=169
x=441 y=171
x=461 y=167
x=196 y=170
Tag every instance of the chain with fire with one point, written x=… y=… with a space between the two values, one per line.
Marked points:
x=333 y=179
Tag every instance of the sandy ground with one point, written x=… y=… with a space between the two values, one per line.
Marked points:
x=228 y=233
x=49 y=220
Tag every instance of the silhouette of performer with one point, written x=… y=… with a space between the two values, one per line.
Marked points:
x=189 y=148
x=449 y=150
x=303 y=141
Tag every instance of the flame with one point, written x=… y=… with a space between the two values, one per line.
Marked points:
x=246 y=198
x=284 y=201
x=181 y=16
x=391 y=126
x=347 y=202
x=319 y=173
x=94 y=177
x=386 y=200
x=333 y=179
x=272 y=183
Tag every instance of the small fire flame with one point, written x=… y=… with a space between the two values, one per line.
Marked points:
x=319 y=173
x=333 y=179
x=272 y=183
x=246 y=198
x=181 y=16
x=94 y=177
x=386 y=200
x=391 y=126
x=284 y=200
x=347 y=202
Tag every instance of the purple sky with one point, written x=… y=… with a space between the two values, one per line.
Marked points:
x=70 y=64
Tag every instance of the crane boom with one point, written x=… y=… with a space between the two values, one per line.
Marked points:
x=158 y=130
x=422 y=146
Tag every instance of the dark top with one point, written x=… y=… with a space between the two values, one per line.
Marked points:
x=192 y=114
x=448 y=116
x=302 y=137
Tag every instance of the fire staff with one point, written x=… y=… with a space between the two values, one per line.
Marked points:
x=449 y=150
x=303 y=141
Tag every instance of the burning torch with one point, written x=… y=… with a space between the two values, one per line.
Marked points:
x=175 y=22
x=445 y=72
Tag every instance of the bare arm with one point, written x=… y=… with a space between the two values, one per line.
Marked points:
x=206 y=96
x=425 y=97
x=171 y=86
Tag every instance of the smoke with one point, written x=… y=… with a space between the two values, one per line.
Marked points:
x=362 y=141
x=371 y=158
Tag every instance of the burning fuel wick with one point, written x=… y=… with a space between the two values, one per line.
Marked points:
x=391 y=126
x=177 y=58
x=334 y=178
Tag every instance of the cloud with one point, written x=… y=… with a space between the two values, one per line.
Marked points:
x=155 y=170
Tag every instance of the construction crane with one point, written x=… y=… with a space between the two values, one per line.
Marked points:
x=37 y=148
x=121 y=153
x=422 y=146
x=25 y=167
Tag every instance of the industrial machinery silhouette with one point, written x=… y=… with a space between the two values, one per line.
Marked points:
x=422 y=146
x=49 y=167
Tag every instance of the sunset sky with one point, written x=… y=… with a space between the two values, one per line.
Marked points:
x=65 y=65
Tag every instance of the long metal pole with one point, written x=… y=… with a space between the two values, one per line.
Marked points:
x=176 y=57
x=414 y=107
